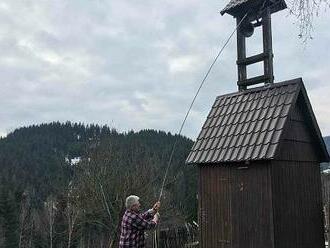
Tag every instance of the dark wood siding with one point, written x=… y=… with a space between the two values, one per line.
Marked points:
x=297 y=203
x=235 y=206
x=214 y=202
x=297 y=142
x=251 y=207
x=297 y=199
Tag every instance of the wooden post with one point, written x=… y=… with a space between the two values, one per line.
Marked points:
x=241 y=54
x=267 y=44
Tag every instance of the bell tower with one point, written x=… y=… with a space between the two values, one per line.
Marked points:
x=250 y=14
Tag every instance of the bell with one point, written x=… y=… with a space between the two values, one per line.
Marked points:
x=246 y=29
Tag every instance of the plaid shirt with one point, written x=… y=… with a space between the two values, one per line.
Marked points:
x=133 y=226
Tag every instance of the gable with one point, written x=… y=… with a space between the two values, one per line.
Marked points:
x=302 y=139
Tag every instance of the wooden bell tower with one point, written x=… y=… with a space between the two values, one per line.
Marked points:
x=250 y=15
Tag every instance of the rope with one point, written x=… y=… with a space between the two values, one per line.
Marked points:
x=192 y=103
x=188 y=112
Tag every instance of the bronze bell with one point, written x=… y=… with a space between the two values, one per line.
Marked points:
x=246 y=29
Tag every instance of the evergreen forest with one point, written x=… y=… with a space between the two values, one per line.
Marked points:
x=64 y=184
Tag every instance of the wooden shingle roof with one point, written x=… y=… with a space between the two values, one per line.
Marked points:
x=240 y=7
x=247 y=125
x=232 y=4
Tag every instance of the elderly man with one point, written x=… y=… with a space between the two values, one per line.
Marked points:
x=135 y=223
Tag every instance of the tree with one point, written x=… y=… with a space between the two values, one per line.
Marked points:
x=9 y=216
x=50 y=210
x=305 y=11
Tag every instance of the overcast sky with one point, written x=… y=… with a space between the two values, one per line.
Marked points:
x=134 y=64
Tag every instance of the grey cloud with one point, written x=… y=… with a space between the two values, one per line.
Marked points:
x=129 y=64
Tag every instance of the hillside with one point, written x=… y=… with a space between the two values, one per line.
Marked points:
x=53 y=173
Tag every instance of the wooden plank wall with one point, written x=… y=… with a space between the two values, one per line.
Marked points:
x=296 y=183
x=298 y=218
x=214 y=207
x=251 y=207
x=235 y=206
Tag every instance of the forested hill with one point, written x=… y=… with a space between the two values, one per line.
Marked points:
x=66 y=183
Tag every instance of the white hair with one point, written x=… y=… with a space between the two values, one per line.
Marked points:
x=131 y=200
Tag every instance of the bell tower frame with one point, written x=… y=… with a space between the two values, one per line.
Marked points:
x=249 y=15
x=266 y=56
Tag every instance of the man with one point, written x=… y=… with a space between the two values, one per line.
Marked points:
x=134 y=223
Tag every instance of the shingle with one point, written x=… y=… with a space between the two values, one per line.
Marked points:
x=241 y=107
x=263 y=113
x=208 y=132
x=276 y=136
x=234 y=155
x=192 y=157
x=212 y=154
x=221 y=142
x=281 y=99
x=289 y=99
x=270 y=112
x=207 y=123
x=261 y=138
x=252 y=127
x=214 y=132
x=246 y=139
x=222 y=155
x=277 y=111
x=271 y=151
x=233 y=141
x=203 y=145
x=241 y=154
x=238 y=117
x=253 y=138
x=285 y=110
x=232 y=4
x=218 y=102
x=245 y=125
x=259 y=124
x=225 y=120
x=226 y=143
x=197 y=144
x=272 y=124
x=265 y=124
x=256 y=151
x=240 y=140
x=208 y=144
x=267 y=138
x=232 y=129
x=218 y=111
x=214 y=144
x=280 y=123
x=248 y=154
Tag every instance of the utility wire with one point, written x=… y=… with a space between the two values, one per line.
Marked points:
x=192 y=103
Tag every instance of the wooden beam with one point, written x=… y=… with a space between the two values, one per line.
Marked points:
x=241 y=54
x=252 y=81
x=251 y=60
x=267 y=43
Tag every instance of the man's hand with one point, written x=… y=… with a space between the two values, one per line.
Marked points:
x=156 y=218
x=156 y=206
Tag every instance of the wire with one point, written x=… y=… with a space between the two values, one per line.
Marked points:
x=192 y=103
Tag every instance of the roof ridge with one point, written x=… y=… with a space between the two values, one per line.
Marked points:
x=263 y=87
